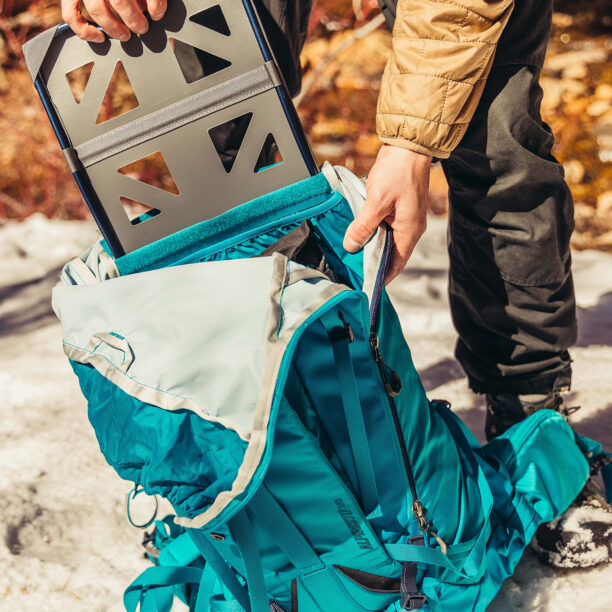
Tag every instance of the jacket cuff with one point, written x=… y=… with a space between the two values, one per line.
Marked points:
x=397 y=141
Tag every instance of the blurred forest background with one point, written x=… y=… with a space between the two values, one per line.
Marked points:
x=343 y=61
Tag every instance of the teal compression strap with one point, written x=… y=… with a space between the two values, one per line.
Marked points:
x=465 y=559
x=420 y=554
x=205 y=590
x=223 y=605
x=221 y=568
x=153 y=588
x=315 y=578
x=254 y=598
x=181 y=551
x=242 y=533
x=340 y=337
x=289 y=538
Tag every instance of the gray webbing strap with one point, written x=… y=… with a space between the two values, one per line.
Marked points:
x=177 y=115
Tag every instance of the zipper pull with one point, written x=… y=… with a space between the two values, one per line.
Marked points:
x=391 y=380
x=424 y=526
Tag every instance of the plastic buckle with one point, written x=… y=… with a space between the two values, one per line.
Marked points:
x=148 y=543
x=413 y=601
x=341 y=333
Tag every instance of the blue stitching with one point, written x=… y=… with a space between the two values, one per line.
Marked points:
x=107 y=344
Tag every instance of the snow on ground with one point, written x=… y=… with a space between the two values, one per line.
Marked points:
x=66 y=545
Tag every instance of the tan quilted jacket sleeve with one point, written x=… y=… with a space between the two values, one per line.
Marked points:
x=442 y=53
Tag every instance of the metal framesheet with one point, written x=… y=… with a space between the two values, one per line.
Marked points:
x=174 y=115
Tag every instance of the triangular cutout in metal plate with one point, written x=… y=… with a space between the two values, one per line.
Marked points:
x=78 y=79
x=120 y=96
x=195 y=63
x=213 y=19
x=138 y=212
x=152 y=170
x=227 y=139
x=269 y=156
x=174 y=117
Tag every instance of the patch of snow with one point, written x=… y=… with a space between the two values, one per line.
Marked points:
x=587 y=536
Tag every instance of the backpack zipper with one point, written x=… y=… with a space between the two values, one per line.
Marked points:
x=393 y=385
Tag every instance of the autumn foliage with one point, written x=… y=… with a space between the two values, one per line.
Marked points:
x=343 y=61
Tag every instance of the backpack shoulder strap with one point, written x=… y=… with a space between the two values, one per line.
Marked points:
x=388 y=8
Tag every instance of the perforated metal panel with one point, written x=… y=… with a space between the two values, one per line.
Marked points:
x=199 y=68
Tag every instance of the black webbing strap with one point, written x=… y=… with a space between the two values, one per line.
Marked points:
x=389 y=10
x=412 y=598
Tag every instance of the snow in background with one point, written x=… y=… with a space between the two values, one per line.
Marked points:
x=66 y=544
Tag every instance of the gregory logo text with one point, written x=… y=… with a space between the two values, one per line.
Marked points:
x=353 y=525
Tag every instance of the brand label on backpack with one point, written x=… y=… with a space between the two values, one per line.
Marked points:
x=353 y=524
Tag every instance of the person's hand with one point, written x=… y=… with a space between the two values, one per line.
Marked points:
x=397 y=191
x=118 y=18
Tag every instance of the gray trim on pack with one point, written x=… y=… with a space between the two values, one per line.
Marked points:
x=331 y=175
x=354 y=190
x=304 y=273
x=144 y=393
x=275 y=351
x=176 y=115
x=102 y=350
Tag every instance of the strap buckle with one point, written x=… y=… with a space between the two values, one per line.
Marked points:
x=343 y=332
x=148 y=543
x=413 y=601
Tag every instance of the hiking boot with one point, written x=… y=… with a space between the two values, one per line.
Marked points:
x=581 y=537
x=504 y=410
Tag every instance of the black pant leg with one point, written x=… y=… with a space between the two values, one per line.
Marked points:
x=511 y=217
x=285 y=23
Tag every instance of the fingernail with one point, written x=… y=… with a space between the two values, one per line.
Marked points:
x=351 y=245
x=125 y=37
x=143 y=30
x=157 y=16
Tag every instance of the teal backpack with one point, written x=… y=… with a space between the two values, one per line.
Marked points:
x=254 y=374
